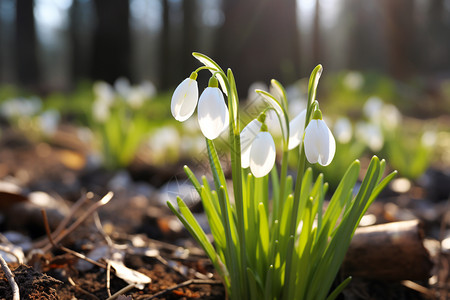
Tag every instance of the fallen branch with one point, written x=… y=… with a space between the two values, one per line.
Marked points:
x=392 y=251
x=10 y=276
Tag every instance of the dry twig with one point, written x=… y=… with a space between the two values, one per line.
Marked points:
x=53 y=244
x=183 y=284
x=80 y=220
x=80 y=289
x=61 y=226
x=122 y=291
x=10 y=276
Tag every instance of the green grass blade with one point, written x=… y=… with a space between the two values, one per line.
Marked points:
x=339 y=289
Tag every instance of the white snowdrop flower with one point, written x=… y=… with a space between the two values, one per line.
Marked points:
x=184 y=99
x=390 y=116
x=371 y=135
x=273 y=123
x=122 y=86
x=372 y=108
x=138 y=94
x=342 y=129
x=104 y=91
x=296 y=130
x=429 y=138
x=248 y=135
x=100 y=110
x=163 y=139
x=49 y=121
x=262 y=154
x=320 y=145
x=353 y=80
x=212 y=111
x=147 y=88
x=11 y=108
x=135 y=98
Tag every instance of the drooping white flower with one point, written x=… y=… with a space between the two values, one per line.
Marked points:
x=353 y=80
x=343 y=130
x=49 y=121
x=212 y=111
x=390 y=117
x=104 y=92
x=138 y=94
x=122 y=86
x=372 y=108
x=262 y=154
x=296 y=130
x=184 y=99
x=371 y=135
x=320 y=145
x=248 y=135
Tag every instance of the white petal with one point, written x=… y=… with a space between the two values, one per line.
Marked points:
x=184 y=99
x=245 y=157
x=296 y=129
x=262 y=154
x=249 y=133
x=326 y=160
x=212 y=113
x=320 y=145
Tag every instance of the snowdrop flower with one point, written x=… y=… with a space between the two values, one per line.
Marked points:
x=343 y=130
x=212 y=111
x=353 y=80
x=296 y=130
x=122 y=86
x=273 y=122
x=371 y=134
x=248 y=135
x=49 y=121
x=372 y=108
x=390 y=116
x=184 y=99
x=100 y=109
x=138 y=94
x=104 y=91
x=262 y=154
x=320 y=145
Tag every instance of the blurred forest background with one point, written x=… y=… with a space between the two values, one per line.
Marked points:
x=50 y=45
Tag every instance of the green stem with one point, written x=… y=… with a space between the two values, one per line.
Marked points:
x=283 y=176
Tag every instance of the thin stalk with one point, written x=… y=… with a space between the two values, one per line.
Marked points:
x=237 y=174
x=283 y=176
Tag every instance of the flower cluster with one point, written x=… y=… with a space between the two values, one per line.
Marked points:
x=212 y=111
x=258 y=151
x=274 y=240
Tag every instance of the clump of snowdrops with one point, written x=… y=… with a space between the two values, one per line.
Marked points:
x=29 y=117
x=276 y=243
x=119 y=121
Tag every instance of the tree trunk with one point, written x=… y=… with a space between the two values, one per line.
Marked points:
x=399 y=30
x=189 y=36
x=388 y=252
x=259 y=41
x=111 y=56
x=25 y=44
x=164 y=64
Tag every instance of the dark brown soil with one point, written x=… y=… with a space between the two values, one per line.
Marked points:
x=135 y=221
